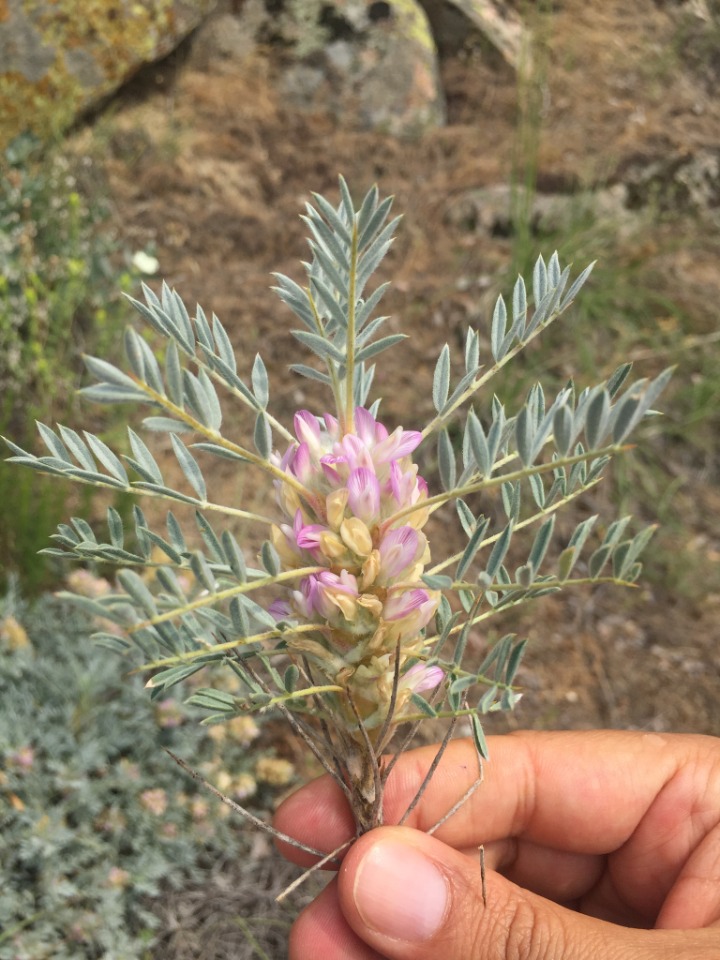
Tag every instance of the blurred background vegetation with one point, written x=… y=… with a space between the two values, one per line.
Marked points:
x=589 y=129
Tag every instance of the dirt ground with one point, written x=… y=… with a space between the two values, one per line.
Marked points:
x=209 y=171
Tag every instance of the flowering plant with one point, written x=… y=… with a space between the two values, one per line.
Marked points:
x=347 y=627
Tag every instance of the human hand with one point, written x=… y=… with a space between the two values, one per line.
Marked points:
x=602 y=845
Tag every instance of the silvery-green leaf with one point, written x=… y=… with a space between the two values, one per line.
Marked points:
x=472 y=351
x=598 y=560
x=189 y=467
x=260 y=381
x=346 y=198
x=472 y=547
x=540 y=283
x=375 y=222
x=212 y=406
x=311 y=374
x=537 y=488
x=511 y=494
x=223 y=345
x=566 y=562
x=202 y=571
x=479 y=445
x=107 y=373
x=169 y=582
x=563 y=430
x=525 y=436
x=270 y=558
x=319 y=345
x=577 y=284
x=211 y=699
x=618 y=378
x=366 y=308
x=115 y=527
x=467 y=518
x=163 y=491
x=524 y=575
x=77 y=447
x=554 y=270
x=441 y=379
x=597 y=418
x=107 y=458
x=422 y=705
x=581 y=532
x=51 y=441
x=541 y=543
x=514 y=661
x=136 y=588
x=173 y=374
x=325 y=237
x=446 y=460
x=519 y=308
x=437 y=581
x=234 y=555
x=374 y=348
x=615 y=531
x=487 y=700
x=163 y=545
x=175 y=532
x=109 y=393
x=499 y=550
x=144 y=459
x=219 y=451
x=197 y=399
x=202 y=328
x=637 y=545
x=497 y=331
x=331 y=215
x=262 y=436
x=212 y=542
x=133 y=353
x=239 y=616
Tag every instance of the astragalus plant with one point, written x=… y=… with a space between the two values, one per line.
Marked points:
x=353 y=626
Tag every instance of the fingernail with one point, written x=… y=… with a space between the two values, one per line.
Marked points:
x=400 y=893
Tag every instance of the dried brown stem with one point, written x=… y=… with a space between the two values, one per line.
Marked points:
x=256 y=821
x=328 y=858
x=431 y=772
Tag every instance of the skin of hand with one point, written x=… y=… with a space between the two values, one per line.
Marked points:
x=598 y=846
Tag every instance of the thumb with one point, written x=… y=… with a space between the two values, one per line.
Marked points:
x=411 y=897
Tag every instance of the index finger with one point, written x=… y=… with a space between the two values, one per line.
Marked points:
x=577 y=791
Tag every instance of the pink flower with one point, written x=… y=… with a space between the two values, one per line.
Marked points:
x=422 y=677
x=398 y=550
x=364 y=494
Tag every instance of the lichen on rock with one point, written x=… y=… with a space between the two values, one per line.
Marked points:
x=59 y=58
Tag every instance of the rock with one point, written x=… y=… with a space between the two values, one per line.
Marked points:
x=373 y=63
x=679 y=182
x=60 y=57
x=454 y=22
x=490 y=210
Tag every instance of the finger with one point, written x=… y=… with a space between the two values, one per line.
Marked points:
x=578 y=791
x=411 y=897
x=321 y=932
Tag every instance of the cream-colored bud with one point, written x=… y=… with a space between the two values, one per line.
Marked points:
x=370 y=569
x=370 y=603
x=346 y=604
x=335 y=504
x=331 y=546
x=418 y=519
x=290 y=499
x=377 y=640
x=357 y=536
x=279 y=541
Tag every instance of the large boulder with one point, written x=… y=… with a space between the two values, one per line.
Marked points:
x=60 y=57
x=373 y=64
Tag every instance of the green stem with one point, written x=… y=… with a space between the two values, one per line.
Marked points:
x=213 y=598
x=191 y=655
x=518 y=526
x=486 y=484
x=221 y=441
